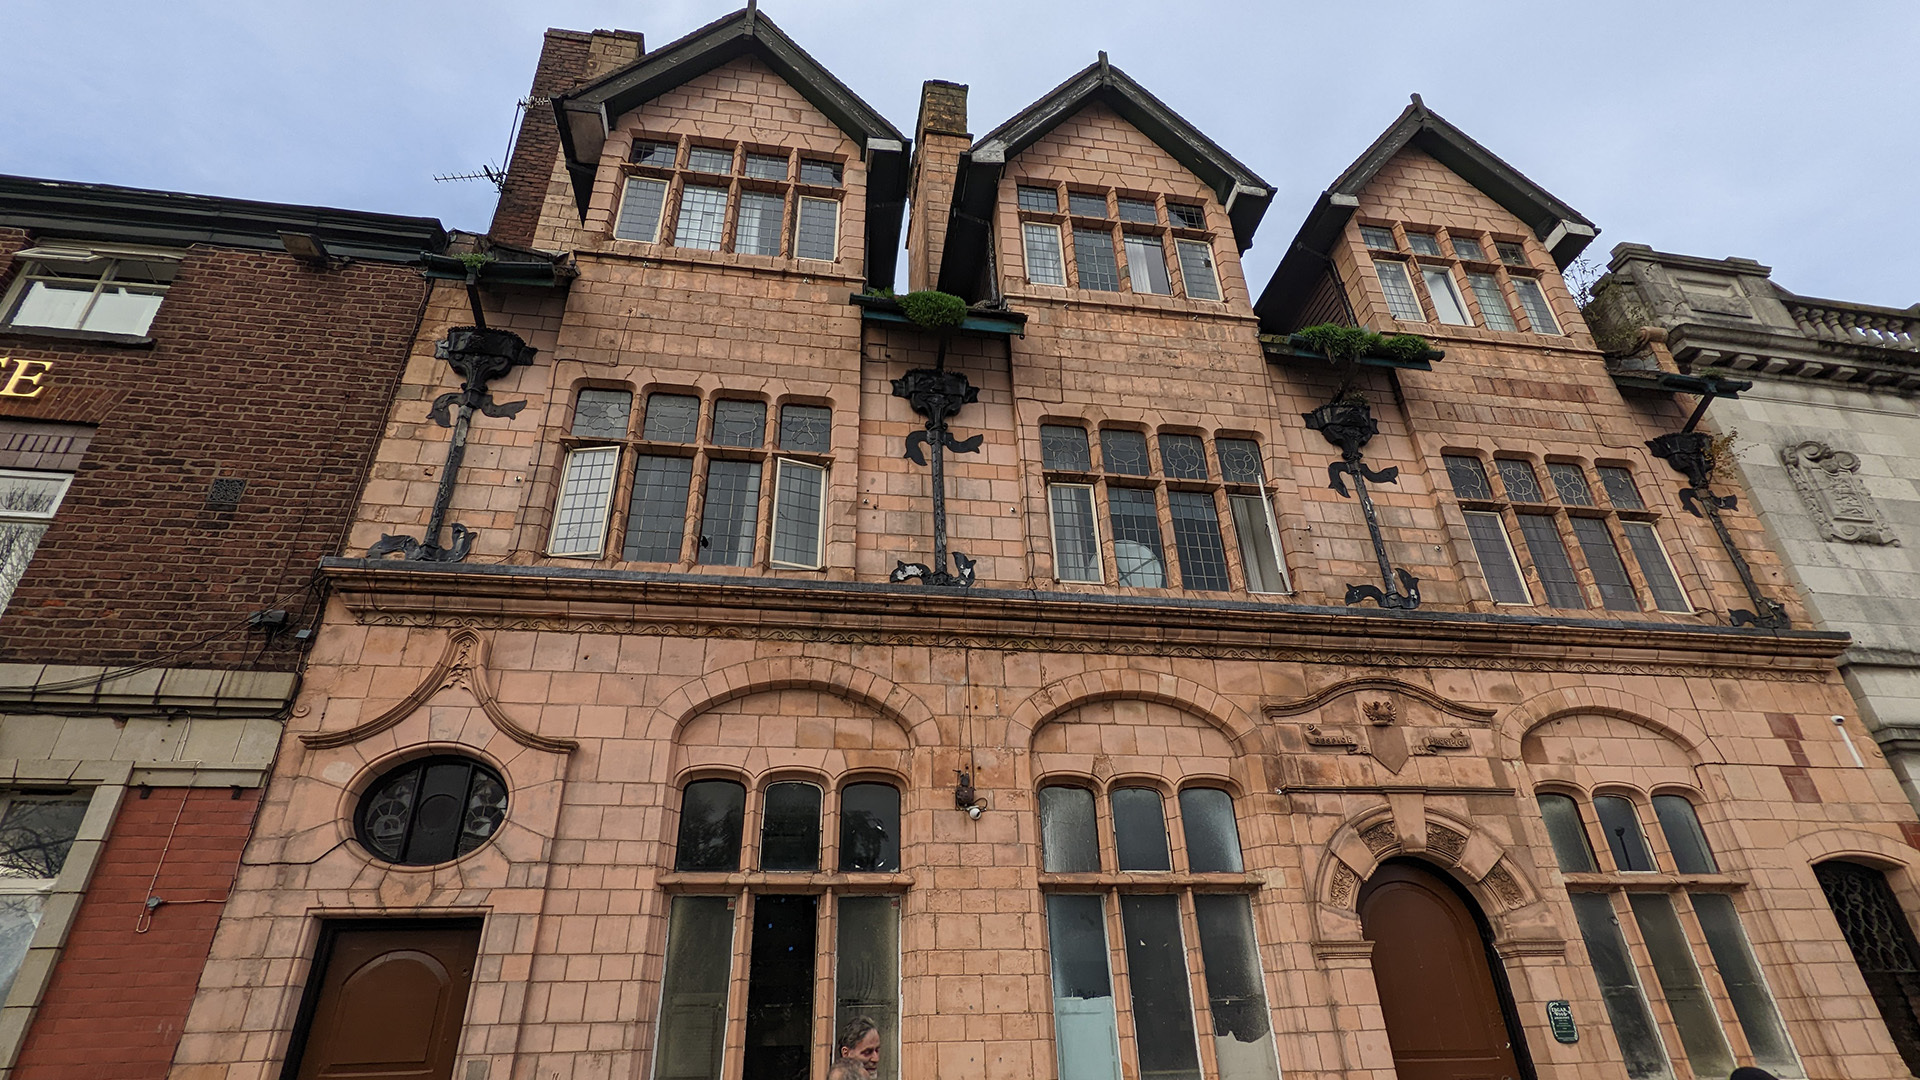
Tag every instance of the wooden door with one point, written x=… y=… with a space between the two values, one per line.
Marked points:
x=1444 y=1015
x=389 y=1001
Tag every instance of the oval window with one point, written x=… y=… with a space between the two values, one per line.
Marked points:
x=432 y=811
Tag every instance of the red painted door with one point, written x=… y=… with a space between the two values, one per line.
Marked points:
x=1443 y=1012
x=389 y=1003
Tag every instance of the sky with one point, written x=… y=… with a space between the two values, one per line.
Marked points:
x=1781 y=132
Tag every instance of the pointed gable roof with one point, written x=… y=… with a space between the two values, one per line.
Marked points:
x=1564 y=230
x=586 y=114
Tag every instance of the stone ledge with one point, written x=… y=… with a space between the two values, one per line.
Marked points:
x=71 y=688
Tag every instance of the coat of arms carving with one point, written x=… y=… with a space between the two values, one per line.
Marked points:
x=1828 y=481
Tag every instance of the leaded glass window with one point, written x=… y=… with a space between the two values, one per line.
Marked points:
x=640 y=210
x=660 y=155
x=1550 y=561
x=1076 y=540
x=657 y=517
x=1494 y=548
x=1094 y=261
x=739 y=423
x=703 y=217
x=732 y=514
x=586 y=494
x=1466 y=247
x=761 y=219
x=816 y=171
x=1654 y=566
x=1571 y=483
x=431 y=811
x=1196 y=536
x=1136 y=538
x=817 y=233
x=1197 y=269
x=1124 y=451
x=708 y=159
x=1187 y=215
x=1044 y=265
x=1038 y=199
x=1423 y=243
x=1534 y=302
x=1239 y=461
x=1183 y=457
x=1603 y=559
x=1522 y=483
x=1493 y=303
x=1621 y=490
x=1259 y=543
x=1447 y=304
x=1511 y=253
x=1084 y=205
x=1401 y=301
x=1064 y=447
x=1378 y=239
x=1468 y=475
x=806 y=429
x=1138 y=211
x=799 y=497
x=601 y=414
x=767 y=166
x=671 y=418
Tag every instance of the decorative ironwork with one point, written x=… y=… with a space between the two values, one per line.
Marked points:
x=479 y=356
x=938 y=395
x=1688 y=453
x=1882 y=945
x=1349 y=425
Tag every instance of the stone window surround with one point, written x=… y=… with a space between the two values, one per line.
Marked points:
x=1097 y=478
x=701 y=450
x=1165 y=230
x=1456 y=268
x=791 y=190
x=1504 y=505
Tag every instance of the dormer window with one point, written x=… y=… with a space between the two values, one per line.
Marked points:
x=816 y=171
x=1116 y=243
x=736 y=198
x=1426 y=287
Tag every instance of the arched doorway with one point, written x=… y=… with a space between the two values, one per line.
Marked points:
x=1883 y=946
x=1447 y=1010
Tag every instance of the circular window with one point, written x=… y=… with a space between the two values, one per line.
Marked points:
x=432 y=810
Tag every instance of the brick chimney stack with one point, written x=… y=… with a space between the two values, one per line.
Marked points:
x=568 y=58
x=939 y=138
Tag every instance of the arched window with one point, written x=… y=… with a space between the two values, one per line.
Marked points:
x=432 y=811
x=711 y=812
x=1882 y=944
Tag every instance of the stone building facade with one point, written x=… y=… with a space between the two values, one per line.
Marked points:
x=165 y=360
x=1096 y=682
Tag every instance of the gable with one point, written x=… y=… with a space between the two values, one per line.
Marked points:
x=1099 y=147
x=743 y=100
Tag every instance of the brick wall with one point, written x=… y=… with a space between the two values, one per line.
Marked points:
x=118 y=998
x=563 y=59
x=262 y=370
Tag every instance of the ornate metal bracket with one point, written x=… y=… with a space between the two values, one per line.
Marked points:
x=938 y=395
x=1686 y=451
x=479 y=356
x=1349 y=425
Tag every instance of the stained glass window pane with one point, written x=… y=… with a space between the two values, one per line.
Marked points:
x=1667 y=593
x=671 y=418
x=1147 y=265
x=1423 y=243
x=1124 y=451
x=1468 y=476
x=1493 y=302
x=1184 y=457
x=640 y=210
x=711 y=814
x=1239 y=461
x=817 y=235
x=767 y=166
x=780 y=983
x=1197 y=270
x=1378 y=239
x=1466 y=247
x=1510 y=253
x=1568 y=835
x=1550 y=561
x=709 y=159
x=1038 y=200
x=1522 y=483
x=658 y=154
x=1680 y=983
x=1093 y=258
x=1064 y=447
x=790 y=827
x=761 y=217
x=806 y=429
x=1043 y=254
x=815 y=171
x=1213 y=837
x=1571 y=483
x=486 y=809
x=1140 y=211
x=1259 y=547
x=1076 y=544
x=601 y=414
x=1187 y=216
x=1685 y=838
x=1746 y=985
x=799 y=492
x=1084 y=205
x=703 y=217
x=1069 y=843
x=869 y=828
x=1162 y=1002
x=693 y=996
x=1401 y=302
x=37 y=833
x=1085 y=1036
x=1621 y=826
x=1620 y=488
x=1140 y=830
x=586 y=493
x=1633 y=1025
x=1534 y=303
x=1137 y=553
x=657 y=519
x=1196 y=536
x=384 y=822
x=739 y=423
x=732 y=513
x=1243 y=1046
x=866 y=976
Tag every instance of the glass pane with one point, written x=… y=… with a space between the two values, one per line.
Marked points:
x=1534 y=303
x=1196 y=536
x=36 y=834
x=1423 y=243
x=732 y=513
x=1038 y=199
x=1064 y=447
x=1446 y=298
x=870 y=828
x=1752 y=1003
x=486 y=809
x=1467 y=247
x=1522 y=483
x=1621 y=826
x=1140 y=830
x=1197 y=270
x=1137 y=554
x=1680 y=982
x=1125 y=452
x=18 y=541
x=1187 y=216
x=693 y=995
x=1184 y=457
x=1493 y=303
x=1378 y=238
x=799 y=491
x=658 y=154
x=815 y=171
x=1609 y=573
x=1086 y=1038
x=1490 y=544
x=1633 y=1025
x=1571 y=483
x=1242 y=1027
x=739 y=423
x=1093 y=257
x=761 y=218
x=818 y=234
x=1667 y=594
x=1239 y=461
x=790 y=827
x=1568 y=834
x=767 y=166
x=435 y=835
x=1138 y=210
x=1076 y=545
x=1468 y=476
x=601 y=414
x=1069 y=841
x=640 y=210
x=780 y=980
x=1550 y=561
x=1401 y=303
x=122 y=311
x=1147 y=265
x=1086 y=205
x=657 y=520
x=586 y=492
x=1685 y=839
x=867 y=974
x=711 y=813
x=1620 y=488
x=807 y=429
x=58 y=304
x=709 y=159
x=671 y=418
x=1043 y=255
x=1510 y=253
x=1162 y=1002
x=388 y=814
x=19 y=920
x=1259 y=548
x=1213 y=837
x=703 y=215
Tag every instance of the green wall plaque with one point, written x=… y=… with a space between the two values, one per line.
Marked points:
x=1560 y=1019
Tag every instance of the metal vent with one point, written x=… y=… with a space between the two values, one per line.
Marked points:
x=225 y=492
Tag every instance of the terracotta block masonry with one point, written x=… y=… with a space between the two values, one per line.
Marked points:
x=1349 y=739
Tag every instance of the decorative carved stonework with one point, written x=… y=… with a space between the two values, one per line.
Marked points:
x=1379 y=836
x=1379 y=713
x=1445 y=842
x=1829 y=483
x=1345 y=881
x=1345 y=739
x=1391 y=730
x=1457 y=739
x=1504 y=886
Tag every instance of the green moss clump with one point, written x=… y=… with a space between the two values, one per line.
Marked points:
x=1342 y=344
x=474 y=260
x=933 y=309
x=1403 y=347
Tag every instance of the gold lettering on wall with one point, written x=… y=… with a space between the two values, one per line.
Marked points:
x=26 y=373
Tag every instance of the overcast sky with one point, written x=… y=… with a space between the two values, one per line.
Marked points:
x=1781 y=132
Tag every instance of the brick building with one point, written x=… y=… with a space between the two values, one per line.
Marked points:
x=1098 y=681
x=165 y=363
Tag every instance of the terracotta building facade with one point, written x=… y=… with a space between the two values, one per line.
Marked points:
x=1100 y=681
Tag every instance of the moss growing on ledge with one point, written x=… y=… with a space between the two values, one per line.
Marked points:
x=1344 y=344
x=933 y=309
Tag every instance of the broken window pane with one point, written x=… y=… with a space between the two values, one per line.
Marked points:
x=711 y=812
x=1140 y=830
x=780 y=988
x=1069 y=842
x=693 y=997
x=732 y=513
x=1242 y=1027
x=1622 y=829
x=1086 y=1037
x=1213 y=838
x=867 y=972
x=790 y=827
x=1157 y=972
x=870 y=827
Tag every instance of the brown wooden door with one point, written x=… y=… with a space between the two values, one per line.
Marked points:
x=389 y=1002
x=1444 y=1015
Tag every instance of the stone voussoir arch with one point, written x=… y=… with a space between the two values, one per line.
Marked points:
x=1687 y=731
x=1451 y=844
x=721 y=685
x=1130 y=684
x=1853 y=845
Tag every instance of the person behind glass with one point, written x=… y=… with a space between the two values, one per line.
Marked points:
x=856 y=1053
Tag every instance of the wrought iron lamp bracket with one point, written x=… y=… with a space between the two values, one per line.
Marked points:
x=1688 y=452
x=1350 y=425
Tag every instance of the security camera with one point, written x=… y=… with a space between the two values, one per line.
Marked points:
x=974 y=812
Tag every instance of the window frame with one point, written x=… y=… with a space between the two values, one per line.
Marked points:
x=1505 y=274
x=745 y=175
x=1067 y=220
x=29 y=519
x=34 y=261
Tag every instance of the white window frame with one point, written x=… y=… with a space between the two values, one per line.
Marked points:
x=1059 y=268
x=30 y=518
x=601 y=511
x=1273 y=535
x=1093 y=520
x=83 y=255
x=780 y=466
x=1213 y=270
x=1144 y=241
x=1521 y=282
x=659 y=216
x=41 y=888
x=799 y=219
x=1450 y=293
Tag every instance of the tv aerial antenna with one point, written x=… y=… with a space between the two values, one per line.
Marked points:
x=498 y=176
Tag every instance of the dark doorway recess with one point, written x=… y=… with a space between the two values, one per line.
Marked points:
x=385 y=1000
x=1882 y=942
x=1443 y=992
x=780 y=981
